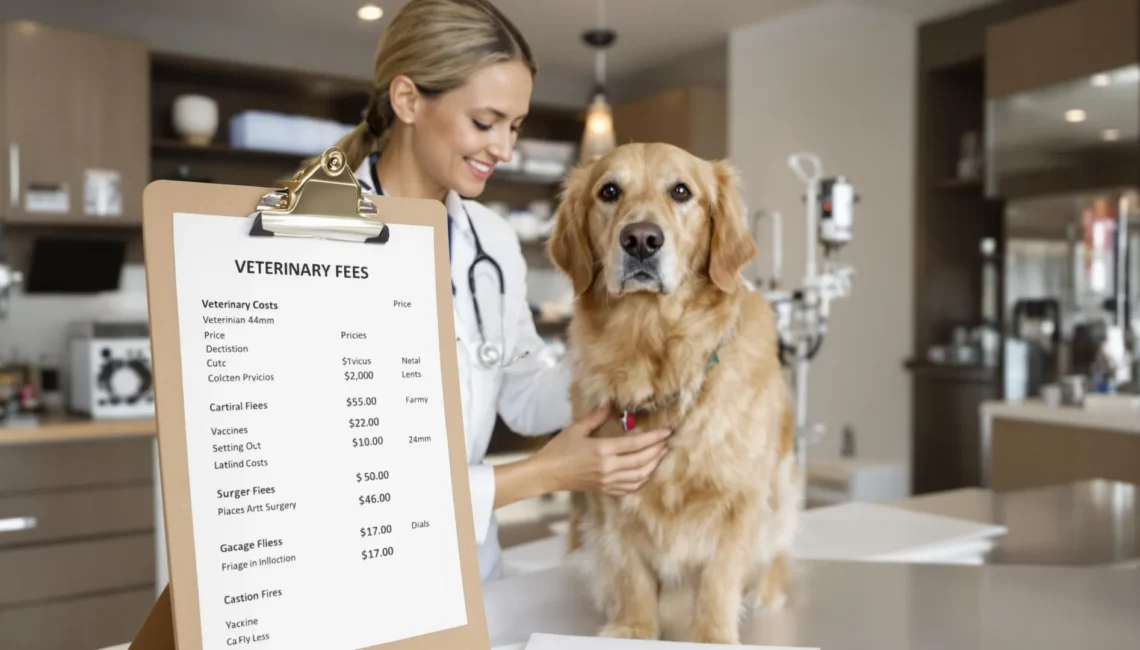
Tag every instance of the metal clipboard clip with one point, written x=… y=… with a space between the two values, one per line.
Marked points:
x=322 y=200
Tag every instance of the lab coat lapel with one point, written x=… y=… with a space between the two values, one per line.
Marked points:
x=462 y=253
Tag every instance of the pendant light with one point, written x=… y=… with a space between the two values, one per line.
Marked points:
x=598 y=138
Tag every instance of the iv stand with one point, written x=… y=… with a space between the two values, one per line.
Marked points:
x=802 y=313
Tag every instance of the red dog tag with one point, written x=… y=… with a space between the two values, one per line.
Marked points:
x=628 y=421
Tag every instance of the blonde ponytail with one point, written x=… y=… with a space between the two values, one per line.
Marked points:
x=357 y=144
x=438 y=44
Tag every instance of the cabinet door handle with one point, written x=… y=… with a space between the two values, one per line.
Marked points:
x=16 y=524
x=14 y=174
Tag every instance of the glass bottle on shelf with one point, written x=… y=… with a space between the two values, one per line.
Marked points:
x=986 y=334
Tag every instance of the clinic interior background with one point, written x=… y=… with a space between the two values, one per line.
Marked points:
x=992 y=144
x=833 y=78
x=751 y=80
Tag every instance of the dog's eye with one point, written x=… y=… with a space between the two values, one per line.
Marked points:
x=609 y=192
x=680 y=193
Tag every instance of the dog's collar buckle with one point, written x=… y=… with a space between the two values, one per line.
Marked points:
x=628 y=421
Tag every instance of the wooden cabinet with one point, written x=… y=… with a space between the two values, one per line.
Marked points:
x=84 y=575
x=947 y=448
x=952 y=216
x=1027 y=454
x=694 y=118
x=1060 y=44
x=75 y=113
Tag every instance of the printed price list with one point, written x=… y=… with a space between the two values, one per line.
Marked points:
x=320 y=480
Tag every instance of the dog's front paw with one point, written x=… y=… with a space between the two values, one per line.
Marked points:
x=722 y=637
x=766 y=599
x=615 y=631
x=770 y=590
x=774 y=600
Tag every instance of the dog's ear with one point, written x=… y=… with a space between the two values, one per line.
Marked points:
x=732 y=245
x=569 y=245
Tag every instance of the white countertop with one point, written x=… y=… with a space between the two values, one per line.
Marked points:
x=879 y=606
x=875 y=606
x=1118 y=420
x=884 y=604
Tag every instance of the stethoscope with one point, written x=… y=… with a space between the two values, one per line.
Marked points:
x=488 y=353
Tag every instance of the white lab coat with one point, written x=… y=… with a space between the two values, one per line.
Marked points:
x=531 y=396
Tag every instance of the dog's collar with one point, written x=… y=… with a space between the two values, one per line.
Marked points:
x=629 y=415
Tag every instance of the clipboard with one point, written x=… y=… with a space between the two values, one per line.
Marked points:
x=323 y=204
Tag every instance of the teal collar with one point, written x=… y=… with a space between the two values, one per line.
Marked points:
x=629 y=416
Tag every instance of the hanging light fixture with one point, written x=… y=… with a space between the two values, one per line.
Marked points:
x=598 y=138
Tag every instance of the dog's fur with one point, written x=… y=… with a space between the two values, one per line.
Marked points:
x=709 y=533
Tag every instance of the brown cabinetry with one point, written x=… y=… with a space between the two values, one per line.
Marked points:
x=75 y=113
x=694 y=118
x=1028 y=454
x=83 y=575
x=947 y=449
x=952 y=216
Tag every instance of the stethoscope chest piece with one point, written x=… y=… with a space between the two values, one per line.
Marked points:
x=490 y=354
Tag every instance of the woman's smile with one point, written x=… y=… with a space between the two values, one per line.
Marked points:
x=481 y=170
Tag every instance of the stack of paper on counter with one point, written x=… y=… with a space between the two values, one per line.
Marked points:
x=857 y=531
x=562 y=642
x=874 y=532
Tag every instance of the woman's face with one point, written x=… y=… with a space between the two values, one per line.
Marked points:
x=461 y=135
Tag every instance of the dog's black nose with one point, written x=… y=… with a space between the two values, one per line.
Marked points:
x=642 y=240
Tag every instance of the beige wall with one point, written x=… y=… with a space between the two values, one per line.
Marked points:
x=839 y=81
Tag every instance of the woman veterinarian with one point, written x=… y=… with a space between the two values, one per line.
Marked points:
x=452 y=85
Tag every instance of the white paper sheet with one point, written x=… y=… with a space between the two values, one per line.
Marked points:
x=320 y=479
x=877 y=532
x=867 y=532
x=564 y=642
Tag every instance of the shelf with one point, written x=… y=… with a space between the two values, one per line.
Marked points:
x=512 y=176
x=958 y=184
x=169 y=148
x=166 y=147
x=177 y=69
x=969 y=373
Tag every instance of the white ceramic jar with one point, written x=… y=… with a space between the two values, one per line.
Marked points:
x=195 y=118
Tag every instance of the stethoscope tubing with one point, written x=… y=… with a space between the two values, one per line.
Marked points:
x=480 y=256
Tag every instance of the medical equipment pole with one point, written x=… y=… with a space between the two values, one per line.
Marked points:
x=802 y=314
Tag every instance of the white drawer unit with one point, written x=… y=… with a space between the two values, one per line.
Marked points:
x=832 y=481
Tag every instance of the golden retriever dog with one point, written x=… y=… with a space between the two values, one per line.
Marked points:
x=666 y=333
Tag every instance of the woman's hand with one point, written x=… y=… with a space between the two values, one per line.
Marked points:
x=573 y=460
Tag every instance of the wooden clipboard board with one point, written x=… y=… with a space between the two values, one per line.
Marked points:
x=323 y=200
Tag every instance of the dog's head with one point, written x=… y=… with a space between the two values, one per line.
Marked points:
x=649 y=218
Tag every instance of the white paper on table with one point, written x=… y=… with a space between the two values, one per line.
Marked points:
x=857 y=531
x=876 y=532
x=540 y=641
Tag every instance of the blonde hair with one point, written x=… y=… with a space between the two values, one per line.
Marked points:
x=438 y=44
